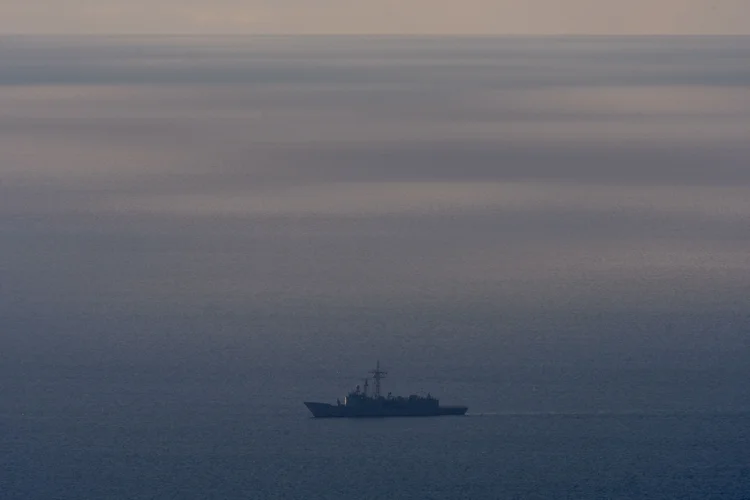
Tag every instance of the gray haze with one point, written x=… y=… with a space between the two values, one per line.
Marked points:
x=532 y=224
x=441 y=17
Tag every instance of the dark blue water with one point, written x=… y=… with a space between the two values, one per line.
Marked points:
x=226 y=451
x=221 y=416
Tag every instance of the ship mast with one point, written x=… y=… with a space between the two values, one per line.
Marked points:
x=377 y=375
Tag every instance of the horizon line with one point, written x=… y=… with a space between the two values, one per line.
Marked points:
x=382 y=35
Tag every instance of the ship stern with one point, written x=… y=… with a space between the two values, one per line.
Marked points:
x=453 y=410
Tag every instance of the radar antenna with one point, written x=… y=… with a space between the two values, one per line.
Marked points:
x=377 y=375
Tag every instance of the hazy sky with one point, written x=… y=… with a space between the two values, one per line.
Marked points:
x=384 y=16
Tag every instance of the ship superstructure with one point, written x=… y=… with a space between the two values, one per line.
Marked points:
x=361 y=403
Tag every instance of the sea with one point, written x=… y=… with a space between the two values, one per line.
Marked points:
x=198 y=234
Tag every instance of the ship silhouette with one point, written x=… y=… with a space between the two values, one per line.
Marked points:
x=358 y=403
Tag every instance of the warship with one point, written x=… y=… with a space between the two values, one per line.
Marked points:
x=359 y=403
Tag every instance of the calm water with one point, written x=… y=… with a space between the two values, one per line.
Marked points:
x=230 y=452
x=199 y=234
x=224 y=419
x=169 y=443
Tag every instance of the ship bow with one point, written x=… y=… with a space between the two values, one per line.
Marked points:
x=323 y=410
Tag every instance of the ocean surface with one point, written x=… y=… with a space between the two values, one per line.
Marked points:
x=198 y=234
x=226 y=450
x=128 y=416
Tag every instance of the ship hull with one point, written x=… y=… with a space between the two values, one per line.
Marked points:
x=324 y=410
